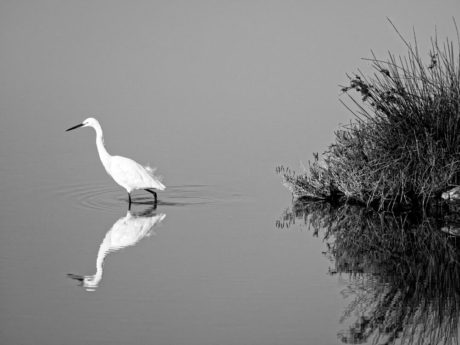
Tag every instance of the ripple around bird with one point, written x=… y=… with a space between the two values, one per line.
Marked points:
x=105 y=197
x=90 y=196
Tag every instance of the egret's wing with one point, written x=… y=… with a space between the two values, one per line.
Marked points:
x=127 y=172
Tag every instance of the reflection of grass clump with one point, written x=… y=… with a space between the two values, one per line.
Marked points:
x=404 y=146
x=404 y=274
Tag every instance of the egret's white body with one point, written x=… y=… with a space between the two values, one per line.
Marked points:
x=126 y=231
x=126 y=172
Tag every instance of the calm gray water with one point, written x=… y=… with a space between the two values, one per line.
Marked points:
x=207 y=266
x=214 y=94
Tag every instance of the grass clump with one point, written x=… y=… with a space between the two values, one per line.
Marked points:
x=403 y=148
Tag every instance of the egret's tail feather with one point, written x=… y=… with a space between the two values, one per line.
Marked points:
x=160 y=186
x=157 y=179
x=150 y=170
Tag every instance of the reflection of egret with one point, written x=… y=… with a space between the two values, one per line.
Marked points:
x=126 y=231
x=126 y=172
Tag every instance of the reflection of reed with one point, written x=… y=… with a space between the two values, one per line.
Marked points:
x=404 y=273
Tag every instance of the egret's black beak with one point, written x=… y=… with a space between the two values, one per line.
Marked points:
x=74 y=127
x=80 y=279
x=75 y=276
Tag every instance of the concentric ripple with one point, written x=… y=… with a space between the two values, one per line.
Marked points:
x=199 y=194
x=95 y=196
x=108 y=197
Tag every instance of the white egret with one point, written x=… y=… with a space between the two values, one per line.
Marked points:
x=126 y=172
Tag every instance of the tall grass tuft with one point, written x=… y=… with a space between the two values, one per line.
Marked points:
x=403 y=148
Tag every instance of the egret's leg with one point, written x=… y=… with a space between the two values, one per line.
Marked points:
x=154 y=194
x=129 y=198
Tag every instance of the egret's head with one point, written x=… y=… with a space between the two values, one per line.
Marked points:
x=89 y=122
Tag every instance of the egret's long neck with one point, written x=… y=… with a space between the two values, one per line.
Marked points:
x=103 y=154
